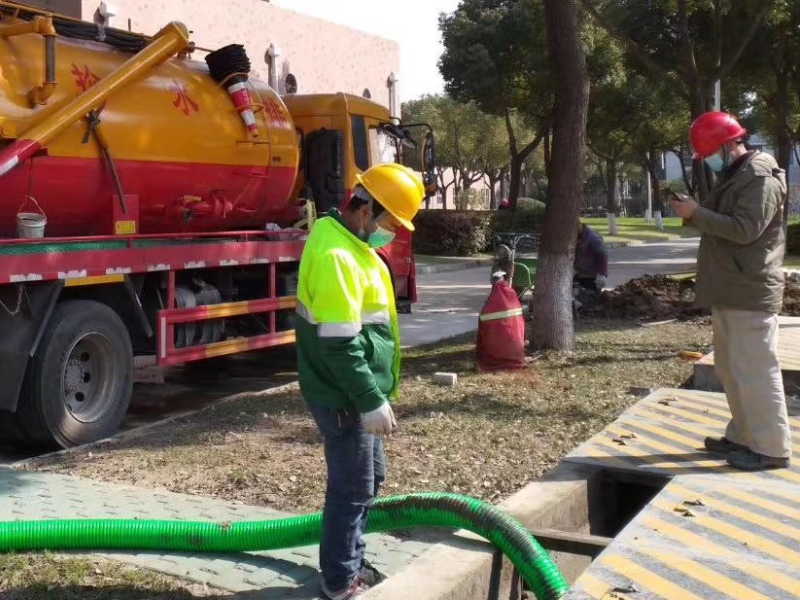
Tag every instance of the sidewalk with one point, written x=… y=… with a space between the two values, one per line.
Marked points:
x=290 y=574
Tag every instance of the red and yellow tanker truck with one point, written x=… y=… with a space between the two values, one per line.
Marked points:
x=149 y=207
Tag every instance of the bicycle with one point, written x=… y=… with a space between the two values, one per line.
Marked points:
x=518 y=271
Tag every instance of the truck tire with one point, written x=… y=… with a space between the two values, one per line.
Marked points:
x=78 y=385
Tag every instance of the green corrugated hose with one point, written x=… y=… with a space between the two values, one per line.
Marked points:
x=396 y=512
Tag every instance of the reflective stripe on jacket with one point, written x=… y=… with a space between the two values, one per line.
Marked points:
x=348 y=342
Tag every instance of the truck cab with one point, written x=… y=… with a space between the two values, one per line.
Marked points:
x=342 y=135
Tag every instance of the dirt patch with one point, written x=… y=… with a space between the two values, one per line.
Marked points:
x=652 y=297
x=791 y=295
x=48 y=576
x=487 y=437
x=661 y=297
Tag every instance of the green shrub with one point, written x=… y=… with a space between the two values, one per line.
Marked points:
x=793 y=239
x=531 y=204
x=452 y=233
x=523 y=220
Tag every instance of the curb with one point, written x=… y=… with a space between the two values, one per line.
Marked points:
x=461 y=265
x=135 y=432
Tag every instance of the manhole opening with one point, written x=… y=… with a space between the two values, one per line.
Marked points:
x=617 y=497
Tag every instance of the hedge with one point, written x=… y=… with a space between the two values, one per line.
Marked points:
x=464 y=233
x=452 y=233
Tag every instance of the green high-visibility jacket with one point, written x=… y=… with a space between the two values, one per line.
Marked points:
x=348 y=337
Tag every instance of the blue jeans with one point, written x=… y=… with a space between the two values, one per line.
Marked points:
x=356 y=469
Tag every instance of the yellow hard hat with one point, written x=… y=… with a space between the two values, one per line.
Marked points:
x=397 y=188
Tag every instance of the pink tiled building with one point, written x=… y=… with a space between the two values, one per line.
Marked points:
x=295 y=52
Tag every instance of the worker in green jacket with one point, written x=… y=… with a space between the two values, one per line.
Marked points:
x=348 y=347
x=740 y=277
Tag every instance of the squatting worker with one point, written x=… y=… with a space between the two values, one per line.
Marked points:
x=740 y=277
x=349 y=358
x=591 y=259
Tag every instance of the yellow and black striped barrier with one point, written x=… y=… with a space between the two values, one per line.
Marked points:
x=713 y=532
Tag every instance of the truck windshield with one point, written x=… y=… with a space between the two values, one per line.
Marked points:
x=383 y=147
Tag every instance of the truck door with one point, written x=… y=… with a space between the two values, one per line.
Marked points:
x=324 y=168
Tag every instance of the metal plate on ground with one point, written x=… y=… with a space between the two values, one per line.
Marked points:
x=788 y=354
x=712 y=532
x=663 y=435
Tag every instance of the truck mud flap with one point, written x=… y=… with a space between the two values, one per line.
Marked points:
x=24 y=313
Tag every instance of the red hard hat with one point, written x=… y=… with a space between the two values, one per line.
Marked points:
x=712 y=130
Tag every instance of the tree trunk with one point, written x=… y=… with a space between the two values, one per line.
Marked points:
x=702 y=179
x=514 y=182
x=553 y=326
x=612 y=205
x=492 y=177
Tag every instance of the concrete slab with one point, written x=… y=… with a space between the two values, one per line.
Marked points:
x=712 y=532
x=788 y=353
x=465 y=567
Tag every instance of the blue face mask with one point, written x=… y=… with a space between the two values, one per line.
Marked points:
x=380 y=238
x=716 y=163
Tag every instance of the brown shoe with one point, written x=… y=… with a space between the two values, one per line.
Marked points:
x=746 y=460
x=722 y=445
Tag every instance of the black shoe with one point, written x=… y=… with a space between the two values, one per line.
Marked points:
x=370 y=575
x=747 y=460
x=722 y=445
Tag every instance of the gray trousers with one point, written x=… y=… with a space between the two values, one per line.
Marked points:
x=746 y=362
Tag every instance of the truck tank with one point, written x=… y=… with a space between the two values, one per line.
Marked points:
x=186 y=160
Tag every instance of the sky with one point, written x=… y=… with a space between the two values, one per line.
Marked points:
x=412 y=23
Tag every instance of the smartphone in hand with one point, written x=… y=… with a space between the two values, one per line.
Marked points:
x=678 y=197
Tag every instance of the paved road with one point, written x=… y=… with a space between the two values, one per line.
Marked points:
x=652 y=259
x=450 y=302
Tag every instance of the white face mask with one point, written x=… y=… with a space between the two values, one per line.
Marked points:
x=715 y=162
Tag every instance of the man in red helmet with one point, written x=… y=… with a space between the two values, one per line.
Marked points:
x=740 y=277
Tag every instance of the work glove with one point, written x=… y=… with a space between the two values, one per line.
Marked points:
x=601 y=282
x=380 y=421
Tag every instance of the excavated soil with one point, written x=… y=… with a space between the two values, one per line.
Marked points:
x=660 y=297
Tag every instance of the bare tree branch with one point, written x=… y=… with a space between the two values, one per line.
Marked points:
x=744 y=42
x=635 y=49
x=686 y=38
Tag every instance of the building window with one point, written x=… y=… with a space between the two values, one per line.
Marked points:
x=367 y=94
x=291 y=84
x=360 y=142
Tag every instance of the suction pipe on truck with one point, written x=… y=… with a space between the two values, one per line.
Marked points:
x=169 y=41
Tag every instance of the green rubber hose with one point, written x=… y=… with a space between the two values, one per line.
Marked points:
x=397 y=512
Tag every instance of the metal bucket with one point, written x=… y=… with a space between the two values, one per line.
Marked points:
x=31 y=224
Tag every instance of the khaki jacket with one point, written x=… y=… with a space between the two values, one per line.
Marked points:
x=740 y=263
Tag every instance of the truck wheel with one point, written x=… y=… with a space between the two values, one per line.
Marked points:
x=78 y=385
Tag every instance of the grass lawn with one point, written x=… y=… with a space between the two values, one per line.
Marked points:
x=50 y=576
x=638 y=229
x=792 y=261
x=487 y=437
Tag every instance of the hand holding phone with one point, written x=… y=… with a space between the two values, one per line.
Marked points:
x=678 y=197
